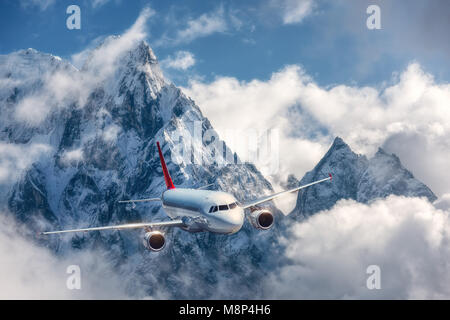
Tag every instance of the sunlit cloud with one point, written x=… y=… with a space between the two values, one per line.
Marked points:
x=294 y=11
x=411 y=117
x=181 y=60
x=329 y=254
x=194 y=28
x=30 y=271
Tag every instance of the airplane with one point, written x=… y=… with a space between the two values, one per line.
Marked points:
x=197 y=210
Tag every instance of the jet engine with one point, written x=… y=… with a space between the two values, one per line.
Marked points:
x=261 y=219
x=154 y=240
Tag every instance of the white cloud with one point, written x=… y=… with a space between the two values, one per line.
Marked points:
x=443 y=202
x=181 y=61
x=15 y=158
x=78 y=59
x=102 y=61
x=33 y=109
x=110 y=133
x=59 y=89
x=203 y=26
x=238 y=110
x=29 y=271
x=41 y=4
x=72 y=156
x=410 y=117
x=329 y=253
x=294 y=11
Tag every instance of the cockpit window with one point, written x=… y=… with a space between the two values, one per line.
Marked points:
x=223 y=207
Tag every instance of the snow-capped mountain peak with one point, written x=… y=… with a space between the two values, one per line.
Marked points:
x=116 y=63
x=358 y=178
x=103 y=150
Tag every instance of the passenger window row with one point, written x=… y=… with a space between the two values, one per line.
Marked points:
x=223 y=207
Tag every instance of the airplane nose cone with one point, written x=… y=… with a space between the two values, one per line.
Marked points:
x=229 y=221
x=236 y=220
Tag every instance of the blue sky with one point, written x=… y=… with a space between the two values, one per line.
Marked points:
x=250 y=39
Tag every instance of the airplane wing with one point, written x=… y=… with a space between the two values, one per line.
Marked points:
x=140 y=200
x=276 y=195
x=171 y=223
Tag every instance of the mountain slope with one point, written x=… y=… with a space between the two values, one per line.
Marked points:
x=104 y=150
x=358 y=178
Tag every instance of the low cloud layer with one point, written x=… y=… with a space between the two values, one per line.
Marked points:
x=407 y=238
x=29 y=271
x=241 y=110
x=328 y=258
x=13 y=162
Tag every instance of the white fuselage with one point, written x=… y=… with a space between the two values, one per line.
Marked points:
x=204 y=210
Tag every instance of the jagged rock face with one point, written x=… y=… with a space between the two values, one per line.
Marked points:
x=355 y=177
x=346 y=168
x=104 y=151
x=291 y=182
x=31 y=195
x=23 y=74
x=385 y=175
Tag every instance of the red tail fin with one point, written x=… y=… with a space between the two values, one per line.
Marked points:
x=167 y=177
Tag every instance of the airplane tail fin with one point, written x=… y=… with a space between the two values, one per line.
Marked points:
x=167 y=177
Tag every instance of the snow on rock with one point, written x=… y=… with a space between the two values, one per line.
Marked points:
x=104 y=151
x=358 y=178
